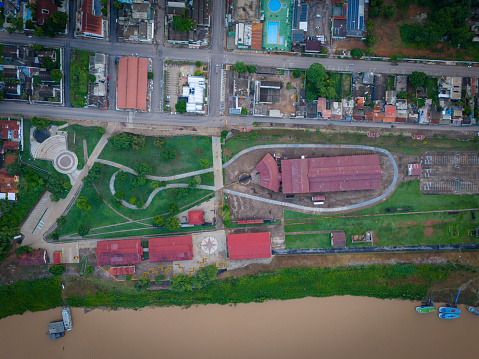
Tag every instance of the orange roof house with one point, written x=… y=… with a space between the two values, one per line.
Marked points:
x=132 y=83
x=390 y=113
x=257 y=37
x=91 y=25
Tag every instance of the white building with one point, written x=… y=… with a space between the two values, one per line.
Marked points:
x=195 y=92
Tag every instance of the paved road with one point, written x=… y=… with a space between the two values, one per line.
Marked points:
x=435 y=247
x=214 y=55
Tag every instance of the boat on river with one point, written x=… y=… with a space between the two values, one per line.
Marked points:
x=67 y=318
x=473 y=310
x=449 y=310
x=425 y=309
x=448 y=315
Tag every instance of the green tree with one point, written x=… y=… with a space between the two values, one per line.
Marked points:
x=29 y=24
x=54 y=197
x=182 y=24
x=117 y=5
x=55 y=236
x=121 y=141
x=224 y=133
x=38 y=32
x=370 y=40
x=173 y=208
x=244 y=111
x=181 y=106
x=357 y=53
x=172 y=223
x=83 y=203
x=252 y=69
x=142 y=283
x=132 y=200
x=204 y=276
x=204 y=163
x=402 y=95
x=91 y=78
x=316 y=73
x=143 y=168
x=193 y=183
x=121 y=176
x=159 y=278
x=198 y=63
x=89 y=270
x=138 y=181
x=56 y=75
x=23 y=249
x=240 y=67
x=158 y=220
x=57 y=270
x=60 y=18
x=94 y=174
x=157 y=184
x=120 y=194
x=370 y=25
x=61 y=221
x=198 y=73
x=41 y=123
x=159 y=142
x=181 y=283
x=226 y=214
x=169 y=154
x=389 y=11
x=417 y=78
x=104 y=11
x=296 y=73
x=150 y=75
x=138 y=142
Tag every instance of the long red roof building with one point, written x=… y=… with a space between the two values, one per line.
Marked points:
x=128 y=251
x=34 y=258
x=169 y=249
x=249 y=245
x=132 y=83
x=91 y=24
x=269 y=173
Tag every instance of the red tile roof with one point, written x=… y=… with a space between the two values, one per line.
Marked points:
x=10 y=145
x=34 y=258
x=132 y=83
x=48 y=5
x=128 y=251
x=169 y=249
x=257 y=37
x=329 y=174
x=122 y=270
x=91 y=24
x=360 y=102
x=414 y=169
x=249 y=245
x=269 y=173
x=9 y=129
x=338 y=239
x=57 y=257
x=7 y=183
x=196 y=217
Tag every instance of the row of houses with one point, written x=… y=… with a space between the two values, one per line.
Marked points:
x=136 y=21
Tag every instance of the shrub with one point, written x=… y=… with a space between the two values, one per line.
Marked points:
x=181 y=106
x=128 y=278
x=244 y=111
x=296 y=73
x=158 y=220
x=121 y=176
x=23 y=249
x=198 y=63
x=288 y=86
x=84 y=229
x=57 y=270
x=157 y=184
x=104 y=11
x=143 y=168
x=83 y=203
x=181 y=283
x=41 y=123
x=89 y=270
x=251 y=69
x=357 y=53
x=121 y=141
x=142 y=283
x=253 y=135
x=204 y=163
x=168 y=155
x=150 y=75
x=159 y=142
x=55 y=236
x=54 y=197
x=182 y=24
x=159 y=278
x=400 y=143
x=120 y=194
x=226 y=213
x=61 y=221
x=138 y=181
x=132 y=200
x=224 y=133
x=198 y=73
x=173 y=208
x=138 y=142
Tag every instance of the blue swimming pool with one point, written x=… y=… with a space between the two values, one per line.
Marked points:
x=274 y=5
x=273 y=32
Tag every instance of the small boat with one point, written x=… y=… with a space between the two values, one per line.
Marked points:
x=448 y=315
x=473 y=310
x=449 y=310
x=67 y=318
x=425 y=309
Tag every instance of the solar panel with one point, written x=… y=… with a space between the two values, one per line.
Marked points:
x=295 y=15
x=303 y=16
x=298 y=37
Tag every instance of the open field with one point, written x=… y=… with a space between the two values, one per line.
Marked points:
x=78 y=133
x=400 y=229
x=300 y=241
x=409 y=146
x=189 y=151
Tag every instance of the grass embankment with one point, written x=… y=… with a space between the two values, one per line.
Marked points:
x=76 y=135
x=101 y=215
x=189 y=151
x=79 y=70
x=409 y=146
x=301 y=241
x=32 y=295
x=402 y=282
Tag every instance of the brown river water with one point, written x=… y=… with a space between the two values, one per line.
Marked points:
x=335 y=327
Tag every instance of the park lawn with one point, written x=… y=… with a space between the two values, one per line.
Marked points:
x=99 y=214
x=144 y=231
x=407 y=195
x=302 y=241
x=397 y=230
x=242 y=140
x=78 y=134
x=157 y=206
x=190 y=149
x=140 y=193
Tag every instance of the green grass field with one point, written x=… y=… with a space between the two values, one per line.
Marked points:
x=243 y=140
x=396 y=230
x=190 y=149
x=300 y=241
x=78 y=133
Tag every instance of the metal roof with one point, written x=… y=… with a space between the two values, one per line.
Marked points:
x=34 y=258
x=249 y=245
x=127 y=251
x=132 y=83
x=196 y=217
x=167 y=249
x=269 y=173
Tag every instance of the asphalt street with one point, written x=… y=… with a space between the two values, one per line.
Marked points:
x=214 y=56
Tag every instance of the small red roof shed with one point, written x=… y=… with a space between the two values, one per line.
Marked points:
x=121 y=252
x=249 y=245
x=169 y=249
x=10 y=145
x=196 y=217
x=414 y=169
x=338 y=239
x=57 y=257
x=35 y=258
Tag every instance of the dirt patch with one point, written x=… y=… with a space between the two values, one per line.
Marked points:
x=227 y=152
x=428 y=232
x=406 y=224
x=431 y=223
x=415 y=10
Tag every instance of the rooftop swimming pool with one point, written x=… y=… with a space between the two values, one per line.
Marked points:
x=273 y=32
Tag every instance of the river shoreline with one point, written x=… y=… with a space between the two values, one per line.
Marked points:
x=333 y=327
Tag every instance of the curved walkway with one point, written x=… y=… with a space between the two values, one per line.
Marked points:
x=154 y=178
x=152 y=194
x=312 y=209
x=432 y=247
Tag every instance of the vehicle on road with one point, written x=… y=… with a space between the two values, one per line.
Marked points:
x=351 y=64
